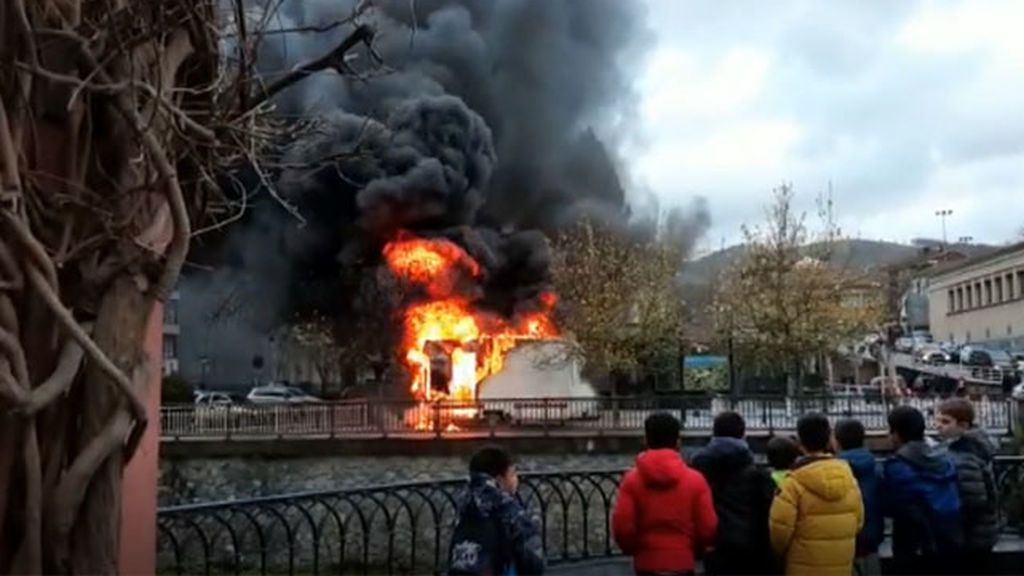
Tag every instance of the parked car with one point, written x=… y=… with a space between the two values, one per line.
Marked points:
x=209 y=399
x=1018 y=392
x=952 y=351
x=277 y=394
x=904 y=344
x=970 y=356
x=931 y=354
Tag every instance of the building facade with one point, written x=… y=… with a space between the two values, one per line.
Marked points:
x=980 y=301
x=907 y=285
x=171 y=334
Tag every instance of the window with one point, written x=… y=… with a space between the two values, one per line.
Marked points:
x=988 y=292
x=988 y=333
x=1020 y=283
x=952 y=303
x=171 y=312
x=999 y=289
x=970 y=297
x=1010 y=295
x=170 y=347
x=960 y=298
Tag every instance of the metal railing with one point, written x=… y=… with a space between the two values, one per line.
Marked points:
x=542 y=416
x=406 y=528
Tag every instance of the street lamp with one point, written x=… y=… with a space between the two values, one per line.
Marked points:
x=943 y=214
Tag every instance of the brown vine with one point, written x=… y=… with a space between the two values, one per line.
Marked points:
x=113 y=117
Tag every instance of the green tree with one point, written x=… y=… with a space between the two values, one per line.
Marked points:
x=619 y=300
x=783 y=303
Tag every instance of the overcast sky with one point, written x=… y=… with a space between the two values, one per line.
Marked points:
x=907 y=107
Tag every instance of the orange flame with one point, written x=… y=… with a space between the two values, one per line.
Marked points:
x=475 y=341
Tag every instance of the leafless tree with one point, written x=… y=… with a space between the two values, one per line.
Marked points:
x=115 y=117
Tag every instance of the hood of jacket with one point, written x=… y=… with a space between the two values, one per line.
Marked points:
x=660 y=469
x=724 y=454
x=861 y=461
x=931 y=462
x=484 y=497
x=976 y=442
x=826 y=477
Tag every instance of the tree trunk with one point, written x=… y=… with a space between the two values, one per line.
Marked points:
x=120 y=331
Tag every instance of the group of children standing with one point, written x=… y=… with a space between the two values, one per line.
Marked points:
x=821 y=507
x=819 y=510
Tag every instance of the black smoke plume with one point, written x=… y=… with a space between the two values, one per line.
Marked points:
x=496 y=123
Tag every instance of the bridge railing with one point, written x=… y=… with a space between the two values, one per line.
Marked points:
x=406 y=528
x=383 y=417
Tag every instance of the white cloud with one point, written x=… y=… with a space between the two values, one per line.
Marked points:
x=905 y=107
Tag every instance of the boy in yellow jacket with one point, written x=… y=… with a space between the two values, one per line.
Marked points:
x=818 y=511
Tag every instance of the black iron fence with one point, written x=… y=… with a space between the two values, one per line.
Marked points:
x=405 y=528
x=516 y=416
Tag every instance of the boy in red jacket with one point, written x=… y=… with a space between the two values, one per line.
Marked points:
x=664 y=517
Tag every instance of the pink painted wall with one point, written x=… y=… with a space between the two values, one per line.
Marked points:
x=138 y=502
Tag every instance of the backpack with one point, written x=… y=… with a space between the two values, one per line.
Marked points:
x=478 y=547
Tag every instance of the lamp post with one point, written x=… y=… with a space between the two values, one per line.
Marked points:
x=943 y=214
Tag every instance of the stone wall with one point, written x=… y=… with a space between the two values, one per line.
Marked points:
x=191 y=480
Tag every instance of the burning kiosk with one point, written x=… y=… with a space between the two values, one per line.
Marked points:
x=449 y=344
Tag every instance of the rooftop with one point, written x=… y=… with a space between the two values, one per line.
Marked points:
x=951 y=267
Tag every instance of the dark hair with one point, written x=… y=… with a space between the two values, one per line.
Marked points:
x=661 y=430
x=729 y=424
x=781 y=452
x=907 y=423
x=958 y=409
x=849 y=434
x=490 y=460
x=814 y=431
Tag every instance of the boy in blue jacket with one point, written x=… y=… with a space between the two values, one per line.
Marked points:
x=494 y=535
x=919 y=493
x=849 y=440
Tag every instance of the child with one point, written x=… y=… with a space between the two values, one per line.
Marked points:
x=494 y=534
x=818 y=512
x=782 y=453
x=972 y=453
x=742 y=493
x=919 y=492
x=663 y=517
x=849 y=438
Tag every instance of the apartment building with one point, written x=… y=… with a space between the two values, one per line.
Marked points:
x=981 y=300
x=171 y=333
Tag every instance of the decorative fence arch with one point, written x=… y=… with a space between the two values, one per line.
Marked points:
x=405 y=528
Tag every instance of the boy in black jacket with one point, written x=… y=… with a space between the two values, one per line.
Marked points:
x=972 y=453
x=742 y=494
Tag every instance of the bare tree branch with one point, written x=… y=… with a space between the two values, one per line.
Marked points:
x=77 y=333
x=10 y=346
x=60 y=380
x=335 y=59
x=10 y=390
x=63 y=507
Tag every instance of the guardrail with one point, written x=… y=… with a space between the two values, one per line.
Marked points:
x=406 y=528
x=987 y=375
x=547 y=416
